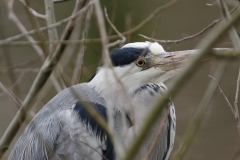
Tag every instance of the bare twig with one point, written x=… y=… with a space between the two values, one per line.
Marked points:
x=236 y=43
x=103 y=33
x=115 y=29
x=211 y=4
x=236 y=101
x=235 y=109
x=15 y=99
x=189 y=37
x=21 y=65
x=185 y=38
x=50 y=18
x=207 y=44
x=79 y=63
x=32 y=11
x=108 y=63
x=157 y=136
x=35 y=24
x=30 y=70
x=201 y=109
x=58 y=1
x=128 y=23
x=38 y=83
x=53 y=36
x=232 y=31
x=140 y=25
x=21 y=27
x=73 y=16
x=113 y=15
x=15 y=83
x=6 y=54
x=71 y=32
x=225 y=97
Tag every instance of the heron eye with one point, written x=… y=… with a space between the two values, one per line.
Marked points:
x=140 y=62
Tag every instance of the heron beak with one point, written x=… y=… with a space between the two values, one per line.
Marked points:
x=169 y=60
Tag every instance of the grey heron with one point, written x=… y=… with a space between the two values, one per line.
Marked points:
x=64 y=130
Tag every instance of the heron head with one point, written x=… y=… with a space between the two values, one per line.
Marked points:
x=148 y=61
x=142 y=62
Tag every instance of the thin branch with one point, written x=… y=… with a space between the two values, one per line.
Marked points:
x=225 y=97
x=236 y=102
x=232 y=31
x=103 y=33
x=15 y=99
x=38 y=83
x=128 y=23
x=189 y=37
x=157 y=136
x=53 y=36
x=32 y=11
x=77 y=73
x=185 y=38
x=50 y=18
x=19 y=66
x=201 y=109
x=59 y=23
x=31 y=70
x=15 y=84
x=113 y=15
x=12 y=16
x=226 y=53
x=58 y=1
x=236 y=43
x=229 y=104
x=115 y=29
x=7 y=57
x=211 y=4
x=108 y=63
x=55 y=83
x=74 y=29
x=140 y=25
x=207 y=44
x=35 y=24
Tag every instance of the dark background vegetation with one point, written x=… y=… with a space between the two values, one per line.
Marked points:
x=217 y=137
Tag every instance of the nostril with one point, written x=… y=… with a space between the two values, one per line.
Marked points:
x=169 y=56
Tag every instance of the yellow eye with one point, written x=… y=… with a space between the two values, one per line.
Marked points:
x=140 y=62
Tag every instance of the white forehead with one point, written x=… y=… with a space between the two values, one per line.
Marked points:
x=154 y=47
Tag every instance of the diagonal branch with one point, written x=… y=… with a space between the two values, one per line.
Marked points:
x=140 y=25
x=192 y=36
x=12 y=16
x=32 y=11
x=236 y=102
x=38 y=83
x=66 y=20
x=201 y=109
x=207 y=44
x=185 y=38
x=232 y=31
x=225 y=97
x=107 y=61
x=115 y=29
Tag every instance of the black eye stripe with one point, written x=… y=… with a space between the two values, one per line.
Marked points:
x=125 y=56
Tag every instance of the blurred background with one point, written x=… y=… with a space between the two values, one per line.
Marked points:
x=217 y=138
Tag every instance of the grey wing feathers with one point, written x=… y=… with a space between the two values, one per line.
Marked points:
x=57 y=124
x=147 y=95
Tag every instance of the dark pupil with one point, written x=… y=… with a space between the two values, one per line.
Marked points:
x=140 y=62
